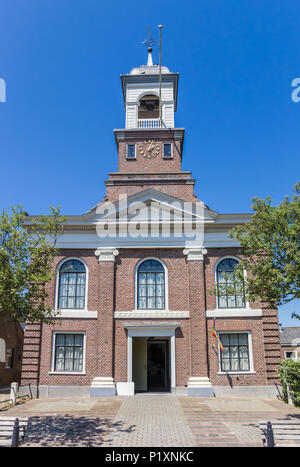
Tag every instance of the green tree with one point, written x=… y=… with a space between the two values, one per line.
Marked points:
x=26 y=256
x=270 y=245
x=289 y=376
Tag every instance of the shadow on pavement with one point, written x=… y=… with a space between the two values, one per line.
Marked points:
x=69 y=431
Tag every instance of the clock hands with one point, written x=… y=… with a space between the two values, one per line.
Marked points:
x=149 y=149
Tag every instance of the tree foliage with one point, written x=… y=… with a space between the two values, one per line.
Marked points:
x=26 y=256
x=289 y=376
x=270 y=245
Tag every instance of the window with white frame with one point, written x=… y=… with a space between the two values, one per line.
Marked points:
x=68 y=352
x=225 y=277
x=235 y=355
x=72 y=285
x=151 y=285
x=9 y=358
x=290 y=354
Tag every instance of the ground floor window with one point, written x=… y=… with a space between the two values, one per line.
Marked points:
x=290 y=354
x=68 y=352
x=9 y=358
x=235 y=354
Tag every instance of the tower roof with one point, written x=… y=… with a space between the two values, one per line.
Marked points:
x=149 y=70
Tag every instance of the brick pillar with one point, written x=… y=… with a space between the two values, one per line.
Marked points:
x=198 y=384
x=103 y=384
x=31 y=356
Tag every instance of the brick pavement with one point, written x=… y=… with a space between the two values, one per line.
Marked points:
x=155 y=420
x=231 y=422
x=148 y=420
x=67 y=422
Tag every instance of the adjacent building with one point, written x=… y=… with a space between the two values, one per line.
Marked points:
x=11 y=345
x=290 y=342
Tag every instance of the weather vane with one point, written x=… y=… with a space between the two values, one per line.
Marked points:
x=150 y=41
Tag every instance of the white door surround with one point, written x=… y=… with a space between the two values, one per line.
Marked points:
x=163 y=330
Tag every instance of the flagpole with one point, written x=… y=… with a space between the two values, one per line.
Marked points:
x=160 y=116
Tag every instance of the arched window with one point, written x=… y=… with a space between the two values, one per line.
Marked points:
x=148 y=107
x=151 y=285
x=225 y=278
x=71 y=288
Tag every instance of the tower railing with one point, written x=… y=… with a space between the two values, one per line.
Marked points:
x=150 y=123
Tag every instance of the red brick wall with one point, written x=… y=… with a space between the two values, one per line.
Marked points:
x=253 y=325
x=112 y=287
x=156 y=164
x=265 y=333
x=184 y=191
x=176 y=265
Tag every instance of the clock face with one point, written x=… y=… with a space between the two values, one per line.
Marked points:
x=149 y=149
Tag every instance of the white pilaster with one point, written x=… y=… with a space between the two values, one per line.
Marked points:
x=195 y=253
x=106 y=254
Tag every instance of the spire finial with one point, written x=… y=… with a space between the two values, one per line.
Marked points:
x=149 y=43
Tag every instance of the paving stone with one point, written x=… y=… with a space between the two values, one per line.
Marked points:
x=151 y=421
x=148 y=420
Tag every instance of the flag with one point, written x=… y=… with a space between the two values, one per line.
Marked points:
x=214 y=333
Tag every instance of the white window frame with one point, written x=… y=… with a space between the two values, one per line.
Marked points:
x=250 y=352
x=166 y=157
x=52 y=371
x=247 y=306
x=130 y=144
x=290 y=351
x=70 y=310
x=136 y=285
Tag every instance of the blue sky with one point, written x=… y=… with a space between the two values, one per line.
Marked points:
x=62 y=60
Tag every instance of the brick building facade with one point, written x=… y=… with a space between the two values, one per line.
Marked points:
x=135 y=274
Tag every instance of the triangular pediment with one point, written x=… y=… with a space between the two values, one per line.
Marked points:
x=148 y=201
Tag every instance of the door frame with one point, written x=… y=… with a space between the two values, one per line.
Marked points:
x=152 y=331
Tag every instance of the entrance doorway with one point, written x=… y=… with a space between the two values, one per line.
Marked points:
x=151 y=364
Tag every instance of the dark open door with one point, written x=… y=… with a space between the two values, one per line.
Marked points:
x=158 y=365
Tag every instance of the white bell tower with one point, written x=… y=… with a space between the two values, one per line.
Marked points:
x=141 y=91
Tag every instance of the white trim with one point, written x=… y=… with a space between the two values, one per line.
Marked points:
x=151 y=314
x=247 y=306
x=57 y=283
x=293 y=352
x=76 y=314
x=234 y=313
x=52 y=371
x=236 y=372
x=136 y=283
x=250 y=352
x=91 y=241
x=66 y=373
